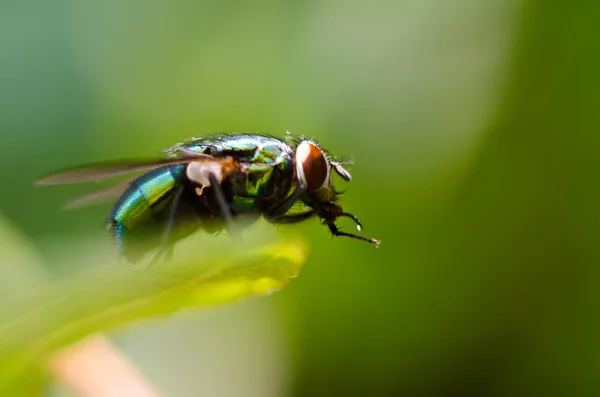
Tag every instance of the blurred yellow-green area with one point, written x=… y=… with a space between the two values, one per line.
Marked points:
x=474 y=127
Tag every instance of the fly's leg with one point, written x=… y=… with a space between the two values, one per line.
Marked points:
x=346 y=215
x=280 y=209
x=331 y=214
x=295 y=218
x=336 y=232
x=221 y=201
x=165 y=250
x=172 y=215
x=164 y=254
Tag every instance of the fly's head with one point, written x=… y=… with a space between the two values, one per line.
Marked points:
x=313 y=171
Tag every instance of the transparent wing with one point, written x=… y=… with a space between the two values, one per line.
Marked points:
x=97 y=197
x=102 y=171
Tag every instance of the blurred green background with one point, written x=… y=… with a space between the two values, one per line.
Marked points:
x=474 y=128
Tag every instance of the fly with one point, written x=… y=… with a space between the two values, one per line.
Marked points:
x=209 y=184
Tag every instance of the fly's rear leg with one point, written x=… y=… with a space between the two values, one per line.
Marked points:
x=165 y=250
x=163 y=255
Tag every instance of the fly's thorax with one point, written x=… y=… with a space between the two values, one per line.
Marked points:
x=267 y=174
x=256 y=180
x=267 y=182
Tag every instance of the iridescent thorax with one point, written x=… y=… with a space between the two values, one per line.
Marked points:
x=262 y=156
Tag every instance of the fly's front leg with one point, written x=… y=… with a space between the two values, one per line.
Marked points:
x=331 y=214
x=295 y=218
x=337 y=232
x=279 y=210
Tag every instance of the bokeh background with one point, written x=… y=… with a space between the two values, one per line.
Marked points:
x=474 y=128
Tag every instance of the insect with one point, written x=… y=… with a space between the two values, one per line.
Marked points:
x=210 y=183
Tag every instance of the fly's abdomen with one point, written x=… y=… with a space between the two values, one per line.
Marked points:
x=141 y=212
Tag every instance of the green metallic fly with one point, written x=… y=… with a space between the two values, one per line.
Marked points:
x=210 y=183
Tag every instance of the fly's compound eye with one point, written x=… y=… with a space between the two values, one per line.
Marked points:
x=311 y=165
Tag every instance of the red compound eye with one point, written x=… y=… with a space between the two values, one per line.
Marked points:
x=313 y=164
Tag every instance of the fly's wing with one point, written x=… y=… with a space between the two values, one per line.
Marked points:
x=103 y=171
x=97 y=197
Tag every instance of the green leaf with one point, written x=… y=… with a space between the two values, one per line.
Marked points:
x=19 y=265
x=105 y=297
